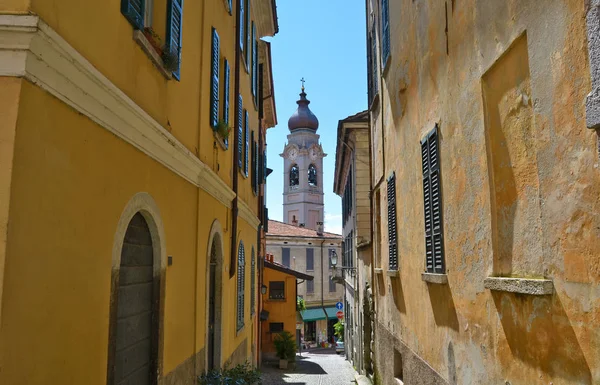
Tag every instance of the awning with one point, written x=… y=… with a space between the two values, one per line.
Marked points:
x=316 y=314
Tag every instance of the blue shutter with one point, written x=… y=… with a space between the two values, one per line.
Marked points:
x=247 y=36
x=240 y=133
x=253 y=160
x=264 y=166
x=247 y=143
x=254 y=64
x=226 y=93
x=214 y=80
x=133 y=10
x=255 y=166
x=174 y=21
x=230 y=5
x=242 y=33
x=385 y=25
x=252 y=282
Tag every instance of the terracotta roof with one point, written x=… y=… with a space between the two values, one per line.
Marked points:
x=279 y=267
x=281 y=229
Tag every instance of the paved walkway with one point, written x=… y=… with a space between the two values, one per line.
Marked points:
x=315 y=367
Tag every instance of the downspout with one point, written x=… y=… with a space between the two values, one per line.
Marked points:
x=237 y=112
x=261 y=212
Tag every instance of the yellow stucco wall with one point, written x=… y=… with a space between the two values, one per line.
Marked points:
x=71 y=181
x=279 y=310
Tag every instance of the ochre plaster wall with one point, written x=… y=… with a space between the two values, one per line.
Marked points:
x=466 y=333
x=279 y=310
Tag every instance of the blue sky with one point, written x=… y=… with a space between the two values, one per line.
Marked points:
x=324 y=42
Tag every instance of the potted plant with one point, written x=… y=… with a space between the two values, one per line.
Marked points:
x=170 y=59
x=300 y=304
x=223 y=129
x=242 y=374
x=285 y=346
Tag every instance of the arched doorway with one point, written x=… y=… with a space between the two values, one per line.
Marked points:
x=135 y=311
x=214 y=304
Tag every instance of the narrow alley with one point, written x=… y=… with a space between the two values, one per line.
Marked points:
x=317 y=367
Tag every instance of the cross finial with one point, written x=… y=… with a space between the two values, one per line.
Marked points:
x=302 y=80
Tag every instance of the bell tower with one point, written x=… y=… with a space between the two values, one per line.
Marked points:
x=303 y=169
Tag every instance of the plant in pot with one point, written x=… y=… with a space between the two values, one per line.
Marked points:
x=223 y=130
x=285 y=346
x=170 y=59
x=154 y=39
x=300 y=304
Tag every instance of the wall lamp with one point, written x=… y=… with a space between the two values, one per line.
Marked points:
x=263 y=289
x=334 y=260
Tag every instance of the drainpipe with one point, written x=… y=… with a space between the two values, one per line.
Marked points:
x=236 y=144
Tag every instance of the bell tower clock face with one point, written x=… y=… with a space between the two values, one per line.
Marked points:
x=293 y=153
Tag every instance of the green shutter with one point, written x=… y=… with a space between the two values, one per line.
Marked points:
x=385 y=26
x=240 y=132
x=133 y=10
x=432 y=199
x=392 y=228
x=214 y=80
x=247 y=148
x=174 y=22
x=253 y=160
x=241 y=285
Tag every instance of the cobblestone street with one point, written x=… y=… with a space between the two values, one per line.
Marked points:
x=318 y=367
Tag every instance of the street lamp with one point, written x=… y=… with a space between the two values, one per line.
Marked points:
x=334 y=258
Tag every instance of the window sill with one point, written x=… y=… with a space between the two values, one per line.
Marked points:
x=392 y=273
x=378 y=270
x=386 y=65
x=439 y=279
x=142 y=40
x=276 y=300
x=530 y=286
x=220 y=140
x=374 y=102
x=240 y=330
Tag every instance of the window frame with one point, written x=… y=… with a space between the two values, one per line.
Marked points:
x=310 y=251
x=279 y=291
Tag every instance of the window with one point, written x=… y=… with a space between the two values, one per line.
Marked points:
x=240 y=128
x=392 y=230
x=174 y=21
x=432 y=198
x=385 y=31
x=275 y=327
x=310 y=287
x=332 y=286
x=229 y=6
x=214 y=80
x=312 y=175
x=294 y=175
x=242 y=32
x=252 y=282
x=347 y=203
x=241 y=271
x=285 y=256
x=348 y=260
x=148 y=12
x=331 y=251
x=247 y=147
x=310 y=259
x=276 y=290
x=133 y=10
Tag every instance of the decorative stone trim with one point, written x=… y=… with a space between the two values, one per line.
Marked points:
x=140 y=38
x=592 y=102
x=438 y=279
x=247 y=215
x=392 y=273
x=531 y=286
x=31 y=49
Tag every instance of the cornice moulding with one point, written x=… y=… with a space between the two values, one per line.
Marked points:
x=31 y=49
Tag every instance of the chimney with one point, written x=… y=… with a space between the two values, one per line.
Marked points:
x=319 y=228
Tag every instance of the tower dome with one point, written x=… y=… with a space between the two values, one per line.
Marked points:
x=303 y=118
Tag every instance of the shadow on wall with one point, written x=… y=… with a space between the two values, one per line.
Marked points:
x=540 y=335
x=398 y=295
x=442 y=304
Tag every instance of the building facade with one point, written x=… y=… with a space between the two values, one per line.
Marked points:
x=352 y=184
x=485 y=190
x=280 y=296
x=125 y=203
x=308 y=252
